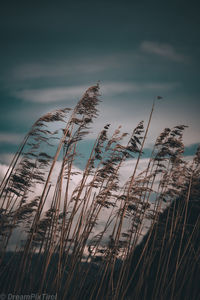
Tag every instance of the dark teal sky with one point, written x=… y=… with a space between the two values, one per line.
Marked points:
x=51 y=51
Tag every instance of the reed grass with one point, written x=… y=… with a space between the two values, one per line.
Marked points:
x=148 y=246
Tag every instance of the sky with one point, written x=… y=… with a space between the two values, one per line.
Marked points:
x=52 y=51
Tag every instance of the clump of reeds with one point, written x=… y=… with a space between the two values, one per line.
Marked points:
x=65 y=249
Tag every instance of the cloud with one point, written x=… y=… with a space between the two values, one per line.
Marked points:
x=126 y=171
x=113 y=88
x=47 y=95
x=37 y=70
x=6 y=158
x=128 y=167
x=62 y=69
x=3 y=170
x=161 y=49
x=10 y=138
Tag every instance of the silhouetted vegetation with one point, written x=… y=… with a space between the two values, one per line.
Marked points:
x=103 y=238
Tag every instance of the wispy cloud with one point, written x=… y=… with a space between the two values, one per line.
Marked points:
x=162 y=49
x=10 y=138
x=60 y=69
x=113 y=88
x=47 y=95
x=37 y=70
